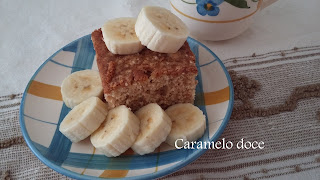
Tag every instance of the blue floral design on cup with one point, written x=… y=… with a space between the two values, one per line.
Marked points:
x=209 y=7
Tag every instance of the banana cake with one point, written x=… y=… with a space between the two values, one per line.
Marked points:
x=146 y=77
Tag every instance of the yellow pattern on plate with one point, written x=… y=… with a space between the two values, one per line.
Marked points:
x=217 y=97
x=114 y=173
x=45 y=90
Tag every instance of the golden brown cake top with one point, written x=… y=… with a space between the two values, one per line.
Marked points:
x=122 y=70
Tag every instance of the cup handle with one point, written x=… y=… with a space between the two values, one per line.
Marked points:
x=266 y=3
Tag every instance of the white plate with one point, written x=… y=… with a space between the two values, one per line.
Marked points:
x=42 y=110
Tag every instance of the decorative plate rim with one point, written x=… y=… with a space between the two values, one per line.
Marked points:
x=157 y=174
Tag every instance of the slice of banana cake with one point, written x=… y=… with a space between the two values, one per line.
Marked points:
x=146 y=77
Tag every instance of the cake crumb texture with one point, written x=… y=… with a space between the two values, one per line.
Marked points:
x=146 y=77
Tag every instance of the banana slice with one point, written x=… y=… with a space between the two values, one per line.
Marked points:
x=120 y=37
x=117 y=133
x=160 y=30
x=80 y=86
x=83 y=119
x=155 y=126
x=188 y=123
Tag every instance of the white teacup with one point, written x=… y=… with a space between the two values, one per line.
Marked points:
x=217 y=19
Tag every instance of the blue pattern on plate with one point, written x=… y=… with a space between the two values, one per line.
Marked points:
x=60 y=145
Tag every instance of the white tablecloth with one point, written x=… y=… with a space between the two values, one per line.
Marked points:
x=31 y=31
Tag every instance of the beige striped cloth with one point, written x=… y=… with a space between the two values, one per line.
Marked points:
x=277 y=101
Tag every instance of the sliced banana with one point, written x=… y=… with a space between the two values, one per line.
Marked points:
x=117 y=133
x=155 y=126
x=83 y=119
x=120 y=36
x=188 y=123
x=80 y=86
x=160 y=30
